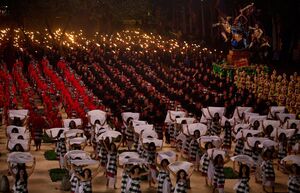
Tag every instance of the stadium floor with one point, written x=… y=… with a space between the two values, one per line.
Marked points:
x=41 y=182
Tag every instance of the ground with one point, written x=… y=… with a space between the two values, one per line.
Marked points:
x=40 y=180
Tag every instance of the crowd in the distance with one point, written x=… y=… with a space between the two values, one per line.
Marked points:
x=164 y=85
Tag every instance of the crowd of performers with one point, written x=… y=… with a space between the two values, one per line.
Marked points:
x=274 y=87
x=141 y=100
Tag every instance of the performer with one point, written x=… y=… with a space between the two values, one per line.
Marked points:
x=21 y=177
x=85 y=184
x=111 y=167
x=164 y=184
x=244 y=176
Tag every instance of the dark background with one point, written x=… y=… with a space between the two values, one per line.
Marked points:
x=185 y=19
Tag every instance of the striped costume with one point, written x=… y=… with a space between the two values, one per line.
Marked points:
x=186 y=146
x=103 y=155
x=61 y=148
x=215 y=129
x=243 y=186
x=151 y=160
x=256 y=156
x=219 y=177
x=20 y=187
x=268 y=174
x=205 y=164
x=171 y=129
x=135 y=186
x=129 y=134
x=85 y=187
x=194 y=151
x=282 y=151
x=227 y=137
x=239 y=147
x=164 y=182
x=247 y=150
x=294 y=184
x=180 y=187
x=111 y=167
x=74 y=180
x=159 y=131
x=125 y=178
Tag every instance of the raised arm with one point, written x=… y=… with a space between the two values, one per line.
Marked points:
x=32 y=168
x=10 y=169
x=105 y=146
x=173 y=173
x=96 y=172
x=120 y=142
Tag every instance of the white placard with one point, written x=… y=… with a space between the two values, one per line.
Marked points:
x=157 y=142
x=188 y=120
x=21 y=130
x=149 y=134
x=245 y=132
x=23 y=143
x=275 y=109
x=169 y=155
x=171 y=116
x=55 y=131
x=179 y=165
x=123 y=157
x=73 y=132
x=67 y=122
x=97 y=115
x=138 y=129
x=191 y=128
x=22 y=113
x=134 y=116
x=110 y=134
x=20 y=157
x=274 y=123
x=243 y=159
x=240 y=110
x=214 y=152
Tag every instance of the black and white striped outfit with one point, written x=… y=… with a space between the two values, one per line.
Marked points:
x=75 y=180
x=180 y=187
x=215 y=129
x=219 y=177
x=111 y=168
x=243 y=186
x=239 y=147
x=227 y=137
x=163 y=178
x=20 y=187
x=171 y=129
x=125 y=178
x=86 y=186
x=205 y=163
x=247 y=150
x=61 y=148
x=159 y=131
x=186 y=146
x=268 y=173
x=151 y=157
x=129 y=134
x=135 y=186
x=294 y=184
x=103 y=155
x=194 y=150
x=282 y=151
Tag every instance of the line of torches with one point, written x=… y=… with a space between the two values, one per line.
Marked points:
x=126 y=40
